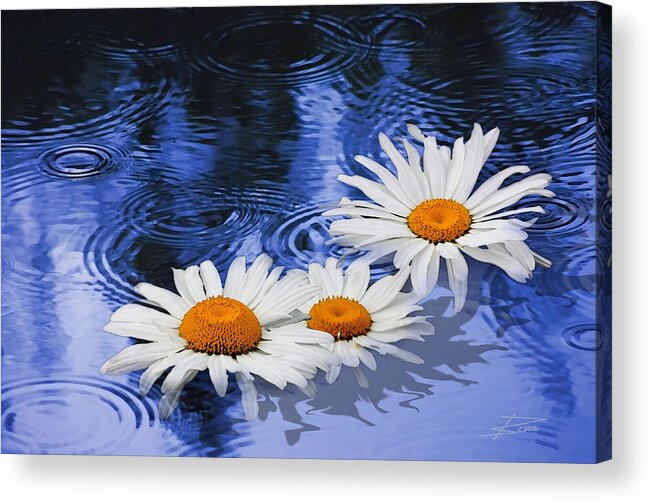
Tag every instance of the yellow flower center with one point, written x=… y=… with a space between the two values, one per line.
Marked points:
x=439 y=220
x=221 y=325
x=341 y=317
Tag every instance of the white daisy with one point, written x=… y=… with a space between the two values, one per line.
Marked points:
x=363 y=318
x=243 y=328
x=429 y=211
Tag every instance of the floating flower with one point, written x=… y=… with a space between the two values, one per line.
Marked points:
x=363 y=318
x=245 y=328
x=430 y=211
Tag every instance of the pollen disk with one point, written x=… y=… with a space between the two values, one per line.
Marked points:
x=221 y=325
x=439 y=220
x=341 y=317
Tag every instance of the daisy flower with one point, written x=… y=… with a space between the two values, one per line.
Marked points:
x=244 y=328
x=363 y=318
x=428 y=211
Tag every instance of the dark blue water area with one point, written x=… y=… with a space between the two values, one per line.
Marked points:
x=138 y=140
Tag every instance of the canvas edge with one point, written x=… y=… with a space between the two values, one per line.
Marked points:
x=603 y=189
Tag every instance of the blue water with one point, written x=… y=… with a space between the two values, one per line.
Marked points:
x=134 y=141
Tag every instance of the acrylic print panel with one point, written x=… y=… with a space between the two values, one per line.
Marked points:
x=374 y=232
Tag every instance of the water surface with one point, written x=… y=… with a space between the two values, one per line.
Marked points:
x=138 y=140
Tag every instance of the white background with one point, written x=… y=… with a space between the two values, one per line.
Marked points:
x=626 y=478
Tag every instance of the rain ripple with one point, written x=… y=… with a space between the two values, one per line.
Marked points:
x=301 y=237
x=178 y=226
x=279 y=49
x=586 y=337
x=63 y=416
x=81 y=160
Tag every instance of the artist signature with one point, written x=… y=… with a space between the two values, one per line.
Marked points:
x=515 y=425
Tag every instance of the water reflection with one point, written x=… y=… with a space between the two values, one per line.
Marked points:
x=134 y=141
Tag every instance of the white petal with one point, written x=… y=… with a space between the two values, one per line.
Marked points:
x=218 y=374
x=169 y=402
x=412 y=180
x=283 y=373
x=269 y=283
x=353 y=211
x=333 y=373
x=361 y=378
x=298 y=333
x=407 y=251
x=490 y=186
x=381 y=246
x=384 y=291
x=192 y=361
x=308 y=358
x=458 y=286
x=356 y=280
x=434 y=168
x=476 y=239
x=451 y=253
x=494 y=216
x=418 y=271
x=413 y=157
x=156 y=369
x=255 y=277
x=360 y=203
x=389 y=349
x=143 y=331
x=347 y=354
x=335 y=275
x=294 y=375
x=293 y=281
x=415 y=132
x=330 y=280
x=171 y=302
x=309 y=390
x=545 y=262
x=490 y=140
x=406 y=356
x=425 y=271
x=265 y=369
x=189 y=284
x=179 y=283
x=419 y=323
x=504 y=197
x=403 y=305
x=136 y=313
x=138 y=356
x=195 y=284
x=370 y=227
x=396 y=335
x=366 y=357
x=522 y=253
x=235 y=278
x=456 y=167
x=472 y=165
x=386 y=177
x=249 y=396
x=446 y=155
x=502 y=260
x=211 y=280
x=229 y=364
x=283 y=298
x=378 y=193
x=505 y=224
x=371 y=343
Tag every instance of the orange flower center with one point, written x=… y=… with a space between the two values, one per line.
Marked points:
x=341 y=317
x=439 y=220
x=221 y=325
